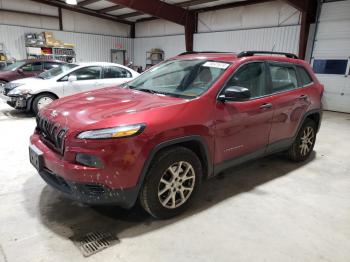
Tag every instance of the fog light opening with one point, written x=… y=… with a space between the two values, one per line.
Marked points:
x=89 y=160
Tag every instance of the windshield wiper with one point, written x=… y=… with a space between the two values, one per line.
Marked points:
x=145 y=90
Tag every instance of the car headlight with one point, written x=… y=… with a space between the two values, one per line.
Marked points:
x=19 y=91
x=114 y=132
x=12 y=85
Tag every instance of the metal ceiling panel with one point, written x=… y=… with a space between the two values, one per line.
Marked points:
x=99 y=5
x=121 y=11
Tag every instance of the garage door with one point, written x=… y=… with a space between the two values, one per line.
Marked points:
x=331 y=57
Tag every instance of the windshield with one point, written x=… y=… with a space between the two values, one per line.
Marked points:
x=56 y=71
x=180 y=78
x=14 y=66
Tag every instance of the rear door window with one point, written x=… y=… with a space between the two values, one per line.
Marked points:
x=116 y=72
x=88 y=73
x=50 y=65
x=30 y=67
x=283 y=77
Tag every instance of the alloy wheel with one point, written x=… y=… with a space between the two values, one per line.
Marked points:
x=307 y=141
x=44 y=101
x=176 y=185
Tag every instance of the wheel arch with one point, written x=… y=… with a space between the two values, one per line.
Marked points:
x=316 y=117
x=30 y=103
x=195 y=143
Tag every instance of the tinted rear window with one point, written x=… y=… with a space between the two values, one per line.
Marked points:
x=305 y=77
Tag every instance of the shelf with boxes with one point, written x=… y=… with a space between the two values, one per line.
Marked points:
x=45 y=45
x=153 y=57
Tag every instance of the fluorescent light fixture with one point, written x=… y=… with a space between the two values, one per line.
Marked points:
x=72 y=2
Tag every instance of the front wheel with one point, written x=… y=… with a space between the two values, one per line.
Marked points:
x=304 y=142
x=173 y=179
x=41 y=101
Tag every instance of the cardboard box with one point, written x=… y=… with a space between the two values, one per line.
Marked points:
x=48 y=35
x=58 y=43
x=34 y=50
x=66 y=45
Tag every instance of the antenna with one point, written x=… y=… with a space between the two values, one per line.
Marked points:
x=273 y=48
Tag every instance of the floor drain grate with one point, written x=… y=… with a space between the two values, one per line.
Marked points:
x=95 y=242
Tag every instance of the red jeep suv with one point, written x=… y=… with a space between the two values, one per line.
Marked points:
x=155 y=138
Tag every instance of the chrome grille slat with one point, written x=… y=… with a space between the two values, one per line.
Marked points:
x=52 y=133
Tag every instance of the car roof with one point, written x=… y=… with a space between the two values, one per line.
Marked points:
x=42 y=60
x=97 y=64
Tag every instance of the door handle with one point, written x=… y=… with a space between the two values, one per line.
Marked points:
x=266 y=106
x=303 y=97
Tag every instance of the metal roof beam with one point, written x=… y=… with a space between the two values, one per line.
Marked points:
x=156 y=8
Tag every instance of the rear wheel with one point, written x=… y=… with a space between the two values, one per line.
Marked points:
x=173 y=179
x=304 y=142
x=41 y=101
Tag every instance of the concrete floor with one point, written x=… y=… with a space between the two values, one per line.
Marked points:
x=270 y=210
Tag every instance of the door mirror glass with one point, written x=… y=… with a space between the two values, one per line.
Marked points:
x=235 y=93
x=72 y=78
x=20 y=71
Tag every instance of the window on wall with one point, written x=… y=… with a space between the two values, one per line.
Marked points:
x=330 y=66
x=283 y=78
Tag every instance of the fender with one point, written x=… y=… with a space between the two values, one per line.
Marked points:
x=308 y=113
x=284 y=144
x=196 y=138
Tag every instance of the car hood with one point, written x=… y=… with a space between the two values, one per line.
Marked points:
x=28 y=80
x=106 y=108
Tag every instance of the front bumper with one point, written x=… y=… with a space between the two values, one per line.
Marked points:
x=91 y=193
x=17 y=102
x=115 y=183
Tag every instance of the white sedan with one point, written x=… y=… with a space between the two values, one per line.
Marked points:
x=36 y=92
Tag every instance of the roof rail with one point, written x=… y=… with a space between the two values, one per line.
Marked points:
x=201 y=52
x=252 y=53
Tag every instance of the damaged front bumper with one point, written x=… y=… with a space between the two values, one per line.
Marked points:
x=18 y=102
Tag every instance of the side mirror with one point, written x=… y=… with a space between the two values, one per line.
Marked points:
x=72 y=78
x=235 y=93
x=20 y=71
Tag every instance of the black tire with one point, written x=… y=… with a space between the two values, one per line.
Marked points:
x=297 y=152
x=171 y=158
x=38 y=98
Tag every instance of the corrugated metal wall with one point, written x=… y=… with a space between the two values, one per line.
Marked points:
x=285 y=39
x=89 y=47
x=171 y=45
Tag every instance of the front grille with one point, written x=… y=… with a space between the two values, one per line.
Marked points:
x=52 y=133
